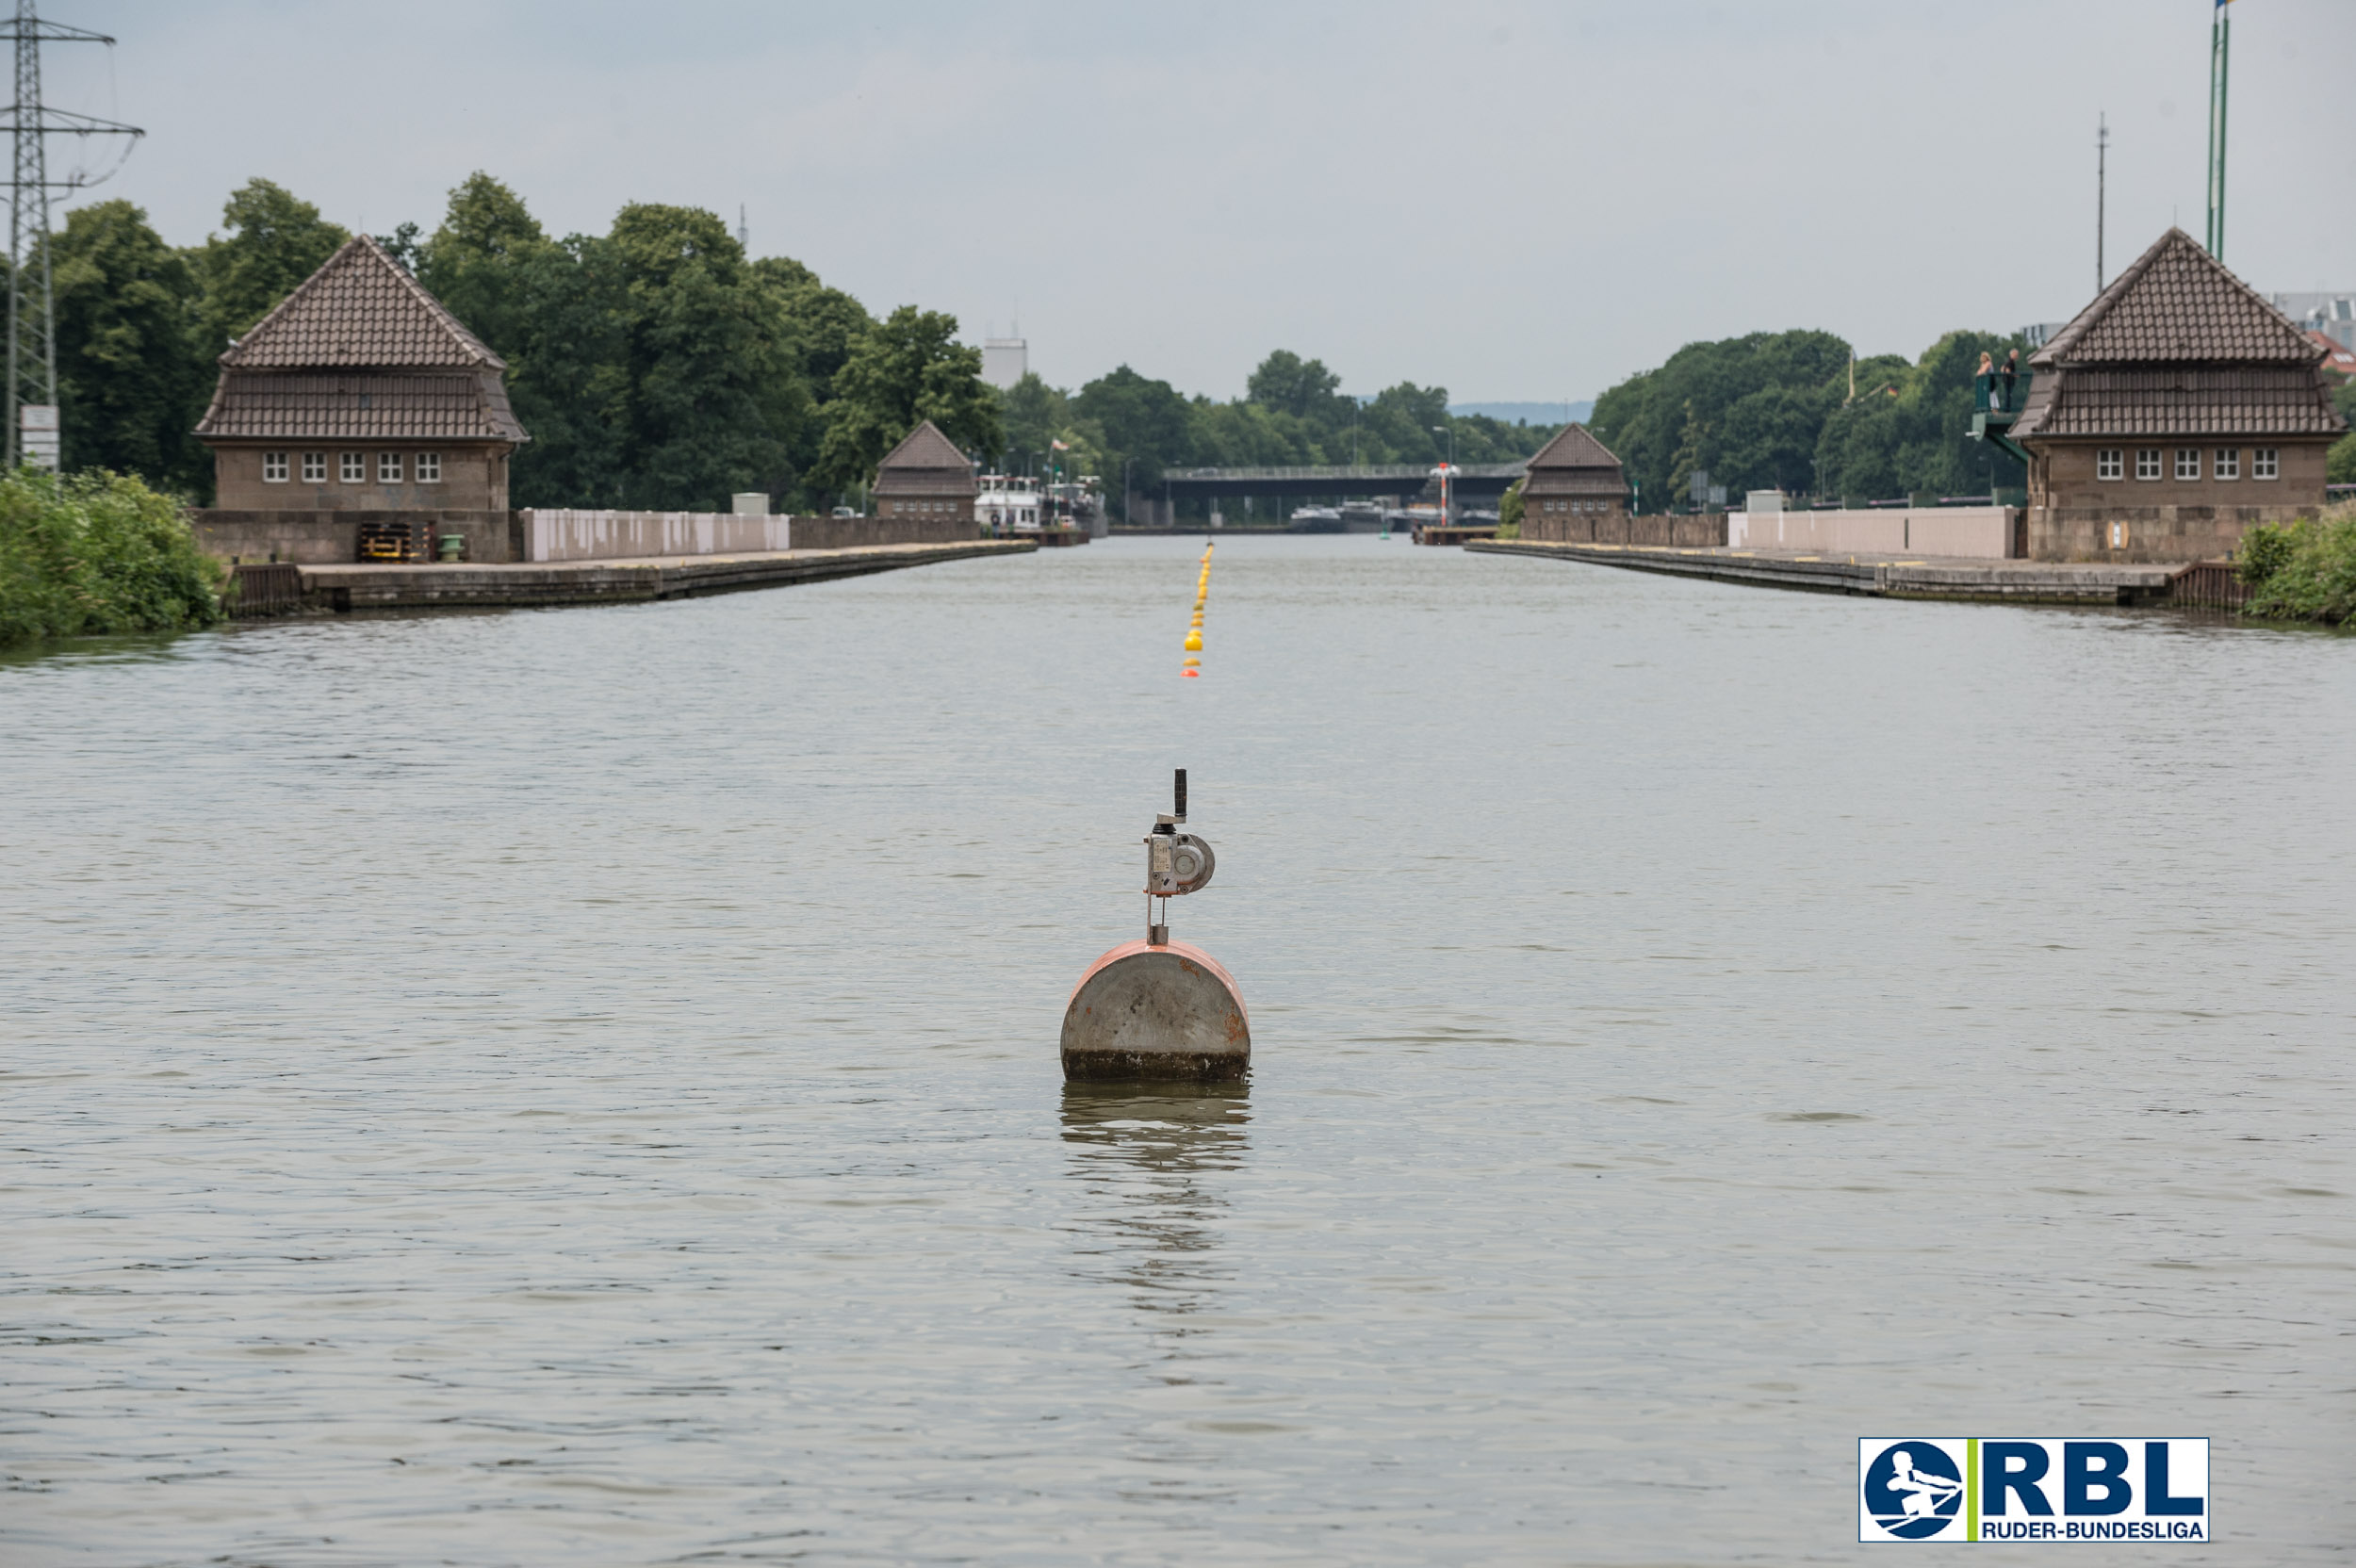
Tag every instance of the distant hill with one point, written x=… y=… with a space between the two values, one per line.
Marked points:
x=1534 y=414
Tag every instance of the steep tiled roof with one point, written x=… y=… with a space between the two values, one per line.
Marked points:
x=361 y=308
x=1574 y=447
x=2256 y=400
x=2177 y=302
x=357 y=405
x=924 y=448
x=2176 y=346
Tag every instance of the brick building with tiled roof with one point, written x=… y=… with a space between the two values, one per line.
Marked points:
x=1573 y=491
x=2173 y=412
x=926 y=483
x=359 y=403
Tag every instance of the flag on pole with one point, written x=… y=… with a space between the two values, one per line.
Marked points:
x=1061 y=447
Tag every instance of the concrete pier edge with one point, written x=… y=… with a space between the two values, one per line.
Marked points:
x=1876 y=574
x=364 y=586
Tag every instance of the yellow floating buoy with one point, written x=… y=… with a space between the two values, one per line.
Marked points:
x=1194 y=642
x=1190 y=662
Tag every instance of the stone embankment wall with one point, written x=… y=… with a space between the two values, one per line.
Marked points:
x=850 y=533
x=2148 y=533
x=332 y=538
x=1980 y=533
x=1699 y=531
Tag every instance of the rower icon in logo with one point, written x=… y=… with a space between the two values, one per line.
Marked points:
x=1913 y=1489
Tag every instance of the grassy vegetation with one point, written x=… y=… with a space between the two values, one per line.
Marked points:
x=95 y=554
x=2302 y=571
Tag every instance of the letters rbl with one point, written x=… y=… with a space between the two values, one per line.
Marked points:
x=2033 y=1489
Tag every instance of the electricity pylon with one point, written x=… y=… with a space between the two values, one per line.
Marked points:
x=31 y=373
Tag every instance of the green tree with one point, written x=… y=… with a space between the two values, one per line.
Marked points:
x=132 y=381
x=1032 y=414
x=98 y=553
x=1148 y=425
x=1747 y=410
x=1287 y=383
x=274 y=241
x=714 y=395
x=906 y=370
x=2340 y=462
x=1510 y=510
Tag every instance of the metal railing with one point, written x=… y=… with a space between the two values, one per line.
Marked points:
x=2208 y=586
x=256 y=592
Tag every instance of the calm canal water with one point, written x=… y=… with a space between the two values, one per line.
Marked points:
x=581 y=1087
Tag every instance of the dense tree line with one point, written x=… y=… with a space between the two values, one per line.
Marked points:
x=1780 y=410
x=654 y=365
x=1128 y=427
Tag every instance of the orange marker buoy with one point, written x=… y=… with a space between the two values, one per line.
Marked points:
x=1191 y=675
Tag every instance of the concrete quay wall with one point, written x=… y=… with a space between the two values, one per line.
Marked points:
x=332 y=538
x=1881 y=575
x=343 y=589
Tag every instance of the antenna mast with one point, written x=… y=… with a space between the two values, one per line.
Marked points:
x=2221 y=46
x=2101 y=157
x=31 y=375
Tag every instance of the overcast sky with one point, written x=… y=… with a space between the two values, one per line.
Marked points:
x=1515 y=201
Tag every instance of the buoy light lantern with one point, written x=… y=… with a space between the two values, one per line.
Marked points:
x=1159 y=1009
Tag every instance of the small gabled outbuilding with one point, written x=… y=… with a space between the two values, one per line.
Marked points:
x=360 y=393
x=925 y=488
x=2174 y=413
x=1573 y=491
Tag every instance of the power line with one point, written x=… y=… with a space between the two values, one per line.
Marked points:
x=31 y=372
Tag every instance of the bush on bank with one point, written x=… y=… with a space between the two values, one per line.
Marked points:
x=97 y=553
x=2302 y=571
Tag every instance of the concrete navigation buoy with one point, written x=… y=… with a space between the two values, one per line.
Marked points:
x=1159 y=1009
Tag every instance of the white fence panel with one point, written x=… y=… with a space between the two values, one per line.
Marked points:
x=570 y=535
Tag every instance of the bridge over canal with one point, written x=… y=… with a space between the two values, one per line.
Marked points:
x=1476 y=483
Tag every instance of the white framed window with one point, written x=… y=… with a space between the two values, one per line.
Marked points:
x=273 y=467
x=2109 y=464
x=2266 y=463
x=388 y=467
x=2228 y=463
x=2147 y=463
x=2188 y=463
x=315 y=467
x=352 y=467
x=429 y=468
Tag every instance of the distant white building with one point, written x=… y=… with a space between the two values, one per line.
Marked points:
x=2332 y=314
x=1004 y=361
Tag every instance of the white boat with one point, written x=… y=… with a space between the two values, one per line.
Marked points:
x=1007 y=503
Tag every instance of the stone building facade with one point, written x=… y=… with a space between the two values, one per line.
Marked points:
x=925 y=490
x=1575 y=491
x=358 y=403
x=2175 y=412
